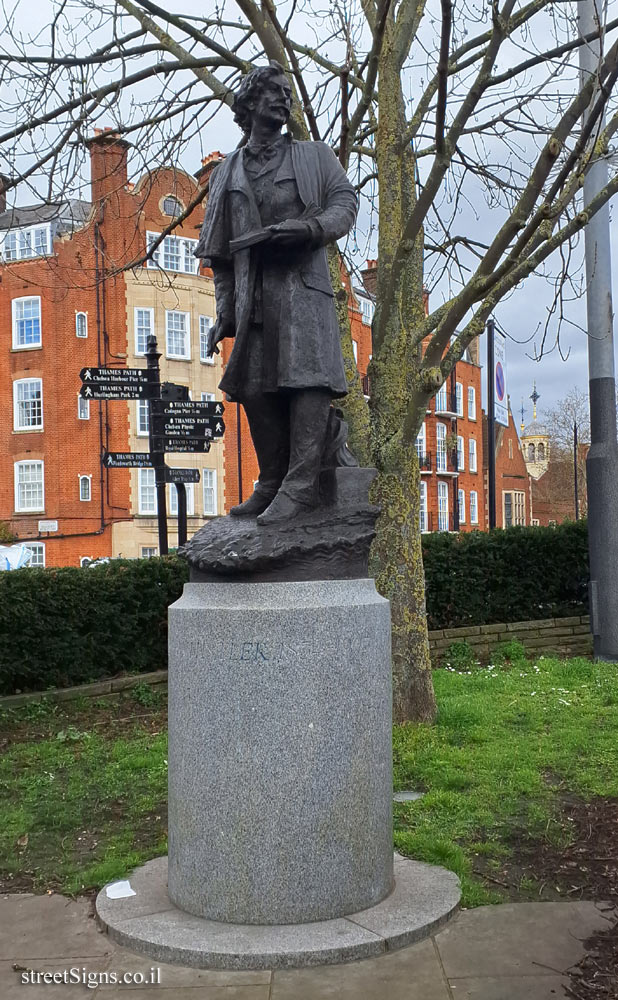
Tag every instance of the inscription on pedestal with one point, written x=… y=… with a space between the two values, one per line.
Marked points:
x=262 y=650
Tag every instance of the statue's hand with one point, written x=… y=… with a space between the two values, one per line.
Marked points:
x=291 y=233
x=219 y=331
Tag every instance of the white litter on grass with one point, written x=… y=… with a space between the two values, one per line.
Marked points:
x=408 y=796
x=119 y=890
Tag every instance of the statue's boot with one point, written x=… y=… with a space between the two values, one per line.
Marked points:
x=253 y=505
x=283 y=508
x=309 y=414
x=268 y=423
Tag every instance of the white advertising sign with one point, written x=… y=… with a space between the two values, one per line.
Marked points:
x=501 y=403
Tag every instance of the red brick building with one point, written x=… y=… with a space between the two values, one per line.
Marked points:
x=450 y=450
x=67 y=304
x=513 y=490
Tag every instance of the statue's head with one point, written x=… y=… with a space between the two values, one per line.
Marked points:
x=264 y=93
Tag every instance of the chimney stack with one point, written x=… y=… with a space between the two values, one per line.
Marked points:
x=370 y=277
x=208 y=165
x=108 y=163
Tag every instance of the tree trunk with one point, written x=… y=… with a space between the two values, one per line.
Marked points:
x=397 y=563
x=396 y=554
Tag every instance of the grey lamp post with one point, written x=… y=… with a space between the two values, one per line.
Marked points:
x=602 y=460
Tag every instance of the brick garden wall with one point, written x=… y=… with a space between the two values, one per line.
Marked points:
x=567 y=636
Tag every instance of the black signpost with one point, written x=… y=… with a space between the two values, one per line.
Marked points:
x=175 y=424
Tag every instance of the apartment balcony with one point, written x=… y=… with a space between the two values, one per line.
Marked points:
x=446 y=404
x=425 y=462
x=446 y=463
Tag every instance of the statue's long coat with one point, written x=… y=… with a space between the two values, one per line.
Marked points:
x=298 y=306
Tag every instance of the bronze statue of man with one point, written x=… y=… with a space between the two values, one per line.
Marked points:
x=274 y=205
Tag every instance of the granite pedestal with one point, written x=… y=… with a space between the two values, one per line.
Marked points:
x=280 y=773
x=280 y=787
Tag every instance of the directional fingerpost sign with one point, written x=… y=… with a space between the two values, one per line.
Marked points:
x=182 y=475
x=176 y=424
x=183 y=444
x=118 y=383
x=127 y=459
x=185 y=419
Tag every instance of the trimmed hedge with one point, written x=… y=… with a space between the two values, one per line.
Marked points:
x=520 y=574
x=60 y=627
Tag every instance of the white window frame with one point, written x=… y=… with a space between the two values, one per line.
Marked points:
x=367 y=310
x=84 y=317
x=83 y=406
x=14 y=306
x=471 y=403
x=461 y=454
x=187 y=332
x=205 y=323
x=28 y=510
x=441 y=399
x=441 y=452
x=472 y=455
x=148 y=551
x=82 y=480
x=355 y=351
x=173 y=500
x=443 y=511
x=459 y=406
x=188 y=264
x=207 y=397
x=423 y=512
x=142 y=475
x=40 y=547
x=179 y=206
x=141 y=406
x=421 y=442
x=136 y=326
x=209 y=485
x=461 y=502
x=474 y=507
x=16 y=409
x=24 y=242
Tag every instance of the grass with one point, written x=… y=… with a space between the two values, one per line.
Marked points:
x=83 y=785
x=511 y=741
x=83 y=791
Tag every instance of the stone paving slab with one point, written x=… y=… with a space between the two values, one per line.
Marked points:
x=186 y=993
x=176 y=976
x=518 y=939
x=12 y=987
x=47 y=927
x=510 y=988
x=516 y=951
x=411 y=974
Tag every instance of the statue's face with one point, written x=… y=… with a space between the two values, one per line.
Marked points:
x=273 y=101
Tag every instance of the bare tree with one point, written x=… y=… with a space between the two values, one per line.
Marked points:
x=461 y=125
x=572 y=410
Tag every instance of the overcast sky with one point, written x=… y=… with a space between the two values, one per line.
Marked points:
x=522 y=316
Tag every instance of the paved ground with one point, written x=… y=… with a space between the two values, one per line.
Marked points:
x=518 y=951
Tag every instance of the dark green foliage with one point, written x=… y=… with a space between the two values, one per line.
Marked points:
x=60 y=627
x=67 y=626
x=506 y=576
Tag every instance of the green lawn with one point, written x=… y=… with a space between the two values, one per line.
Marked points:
x=510 y=744
x=83 y=785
